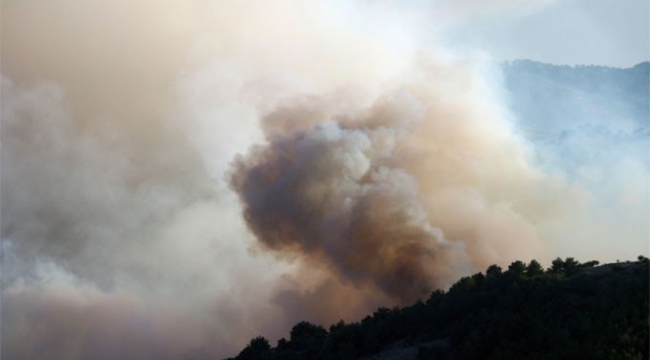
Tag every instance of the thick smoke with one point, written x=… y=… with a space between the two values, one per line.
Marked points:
x=403 y=195
x=180 y=176
x=109 y=245
x=337 y=193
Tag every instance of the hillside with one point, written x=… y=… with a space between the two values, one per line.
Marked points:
x=556 y=98
x=568 y=311
x=582 y=120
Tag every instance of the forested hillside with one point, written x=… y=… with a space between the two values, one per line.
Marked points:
x=569 y=311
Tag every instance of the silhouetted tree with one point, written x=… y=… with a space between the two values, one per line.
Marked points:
x=517 y=267
x=571 y=266
x=257 y=348
x=306 y=330
x=557 y=266
x=493 y=271
x=534 y=268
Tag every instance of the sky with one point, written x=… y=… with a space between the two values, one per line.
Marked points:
x=599 y=32
x=180 y=176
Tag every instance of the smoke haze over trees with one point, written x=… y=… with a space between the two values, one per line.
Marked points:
x=182 y=175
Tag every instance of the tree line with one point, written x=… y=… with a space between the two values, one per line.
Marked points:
x=571 y=310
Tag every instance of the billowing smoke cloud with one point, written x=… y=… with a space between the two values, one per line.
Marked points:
x=403 y=195
x=178 y=177
x=108 y=244
x=335 y=192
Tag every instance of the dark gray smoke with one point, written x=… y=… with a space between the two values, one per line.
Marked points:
x=347 y=190
x=337 y=193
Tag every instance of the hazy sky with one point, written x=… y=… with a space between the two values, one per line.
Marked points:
x=602 y=32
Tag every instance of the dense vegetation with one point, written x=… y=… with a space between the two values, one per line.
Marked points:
x=569 y=311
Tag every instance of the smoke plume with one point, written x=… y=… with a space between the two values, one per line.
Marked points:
x=180 y=176
x=403 y=195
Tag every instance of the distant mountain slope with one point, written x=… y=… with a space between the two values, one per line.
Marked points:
x=585 y=122
x=554 y=98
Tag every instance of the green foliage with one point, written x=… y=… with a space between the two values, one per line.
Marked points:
x=572 y=311
x=493 y=271
x=534 y=268
x=305 y=331
x=557 y=266
x=571 y=266
x=589 y=264
x=517 y=267
x=257 y=348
